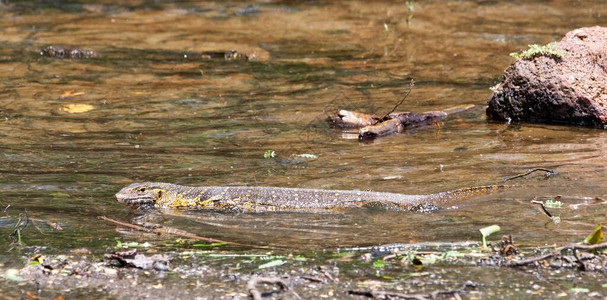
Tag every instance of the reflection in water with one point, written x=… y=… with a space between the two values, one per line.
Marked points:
x=158 y=109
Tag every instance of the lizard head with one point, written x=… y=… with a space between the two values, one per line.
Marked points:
x=141 y=194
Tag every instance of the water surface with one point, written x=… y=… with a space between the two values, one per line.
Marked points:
x=160 y=111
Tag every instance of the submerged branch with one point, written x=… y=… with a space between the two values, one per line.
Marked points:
x=175 y=232
x=548 y=173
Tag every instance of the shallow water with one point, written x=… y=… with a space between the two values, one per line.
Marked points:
x=159 y=111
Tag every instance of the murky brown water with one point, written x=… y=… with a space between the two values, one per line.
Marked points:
x=160 y=112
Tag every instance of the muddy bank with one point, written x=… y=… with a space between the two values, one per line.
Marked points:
x=386 y=272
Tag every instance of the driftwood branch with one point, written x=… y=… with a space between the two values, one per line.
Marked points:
x=399 y=122
x=351 y=119
x=371 y=126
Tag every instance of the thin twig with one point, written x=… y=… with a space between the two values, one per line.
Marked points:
x=548 y=173
x=37 y=228
x=254 y=281
x=411 y=84
x=555 y=253
x=579 y=261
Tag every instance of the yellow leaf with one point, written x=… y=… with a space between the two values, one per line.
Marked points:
x=596 y=237
x=77 y=108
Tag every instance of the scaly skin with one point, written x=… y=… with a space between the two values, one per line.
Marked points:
x=262 y=199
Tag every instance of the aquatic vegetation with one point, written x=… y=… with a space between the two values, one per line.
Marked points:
x=553 y=203
x=410 y=5
x=487 y=231
x=269 y=154
x=537 y=50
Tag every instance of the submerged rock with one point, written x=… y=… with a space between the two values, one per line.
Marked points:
x=566 y=85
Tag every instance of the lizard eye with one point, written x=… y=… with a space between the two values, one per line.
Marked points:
x=142 y=189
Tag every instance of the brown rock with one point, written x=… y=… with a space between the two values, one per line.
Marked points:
x=569 y=89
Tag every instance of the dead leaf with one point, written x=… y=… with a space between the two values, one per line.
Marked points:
x=596 y=237
x=77 y=108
